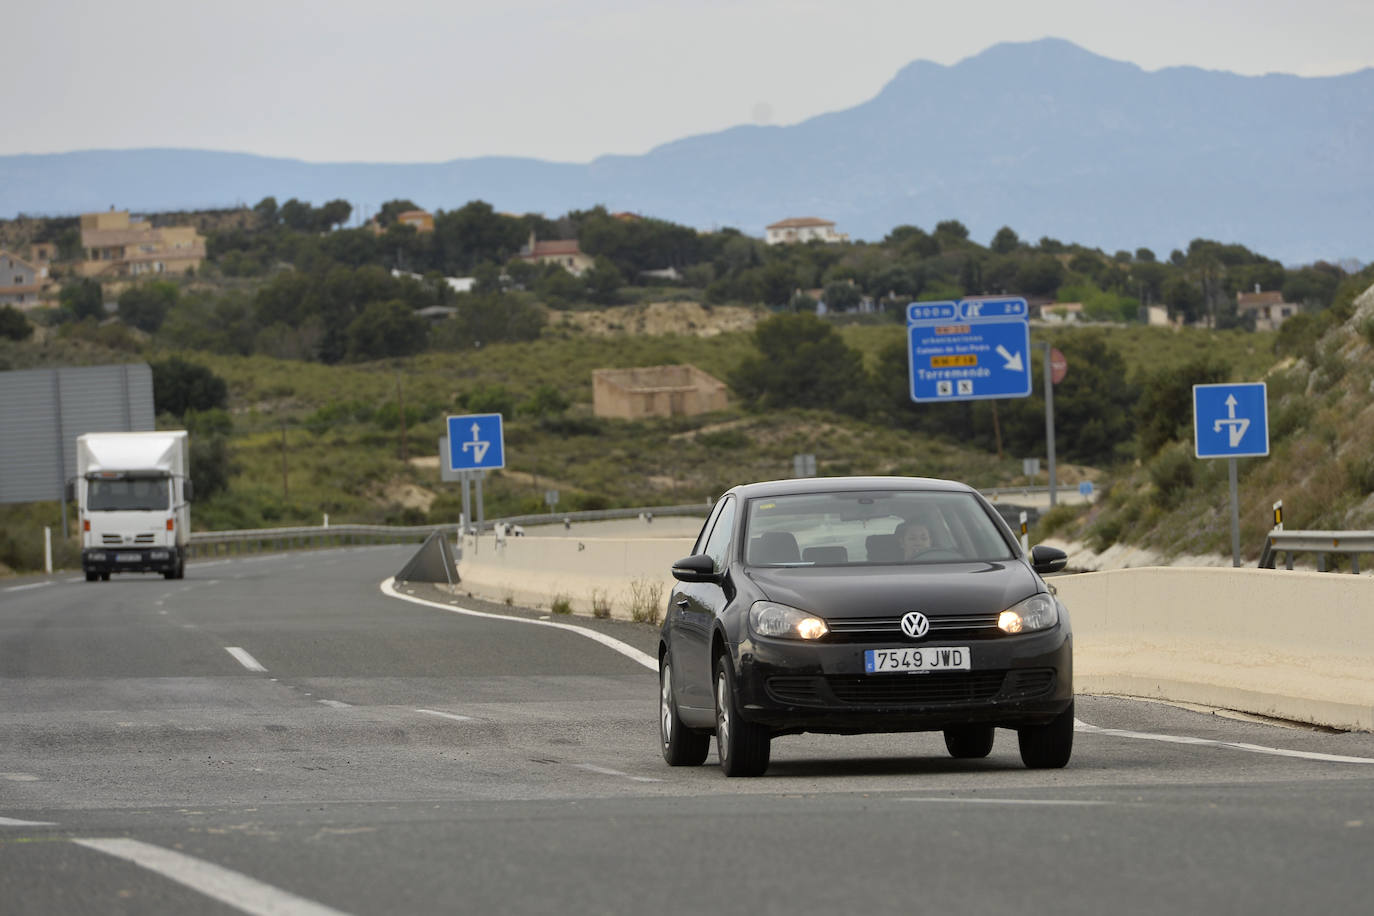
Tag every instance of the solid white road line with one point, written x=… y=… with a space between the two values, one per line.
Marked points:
x=237 y=890
x=1211 y=742
x=648 y=661
x=15 y=822
x=445 y=715
x=1008 y=801
x=24 y=588
x=336 y=704
x=606 y=771
x=244 y=659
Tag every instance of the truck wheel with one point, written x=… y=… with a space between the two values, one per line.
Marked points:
x=105 y=577
x=91 y=576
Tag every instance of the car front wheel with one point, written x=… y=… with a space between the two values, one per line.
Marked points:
x=743 y=746
x=681 y=747
x=1049 y=746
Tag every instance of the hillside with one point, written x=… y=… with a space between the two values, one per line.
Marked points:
x=1043 y=136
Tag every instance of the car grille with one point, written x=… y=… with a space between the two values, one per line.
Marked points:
x=882 y=629
x=912 y=690
x=112 y=540
x=115 y=540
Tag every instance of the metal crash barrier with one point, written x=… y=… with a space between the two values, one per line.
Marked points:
x=1322 y=543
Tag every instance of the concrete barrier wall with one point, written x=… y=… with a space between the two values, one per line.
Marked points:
x=1293 y=645
x=1287 y=644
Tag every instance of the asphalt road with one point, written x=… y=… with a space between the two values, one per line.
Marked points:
x=359 y=753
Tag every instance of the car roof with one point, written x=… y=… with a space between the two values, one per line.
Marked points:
x=804 y=485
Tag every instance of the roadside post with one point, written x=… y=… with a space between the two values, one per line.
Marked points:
x=475 y=444
x=1232 y=421
x=1056 y=367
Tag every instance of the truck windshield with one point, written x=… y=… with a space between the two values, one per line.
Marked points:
x=146 y=493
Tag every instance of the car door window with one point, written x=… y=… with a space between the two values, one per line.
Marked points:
x=718 y=542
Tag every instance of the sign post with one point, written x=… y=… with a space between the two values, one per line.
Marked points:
x=1231 y=421
x=475 y=444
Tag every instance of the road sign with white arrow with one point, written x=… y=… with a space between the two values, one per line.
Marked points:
x=1230 y=421
x=969 y=350
x=476 y=442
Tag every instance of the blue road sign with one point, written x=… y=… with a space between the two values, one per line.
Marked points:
x=1231 y=421
x=969 y=350
x=476 y=442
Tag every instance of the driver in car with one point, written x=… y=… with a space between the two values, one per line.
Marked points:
x=914 y=538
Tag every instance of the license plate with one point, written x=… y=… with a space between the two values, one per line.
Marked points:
x=926 y=658
x=128 y=557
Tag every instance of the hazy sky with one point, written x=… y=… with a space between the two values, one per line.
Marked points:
x=432 y=80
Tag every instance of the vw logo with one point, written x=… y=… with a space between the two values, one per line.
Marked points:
x=915 y=624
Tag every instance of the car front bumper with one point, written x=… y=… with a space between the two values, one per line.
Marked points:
x=129 y=559
x=1013 y=681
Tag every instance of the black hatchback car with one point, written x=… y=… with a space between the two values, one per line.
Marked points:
x=858 y=605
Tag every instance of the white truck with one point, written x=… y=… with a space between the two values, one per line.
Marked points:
x=133 y=499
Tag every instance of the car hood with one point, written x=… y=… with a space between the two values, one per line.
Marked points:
x=867 y=591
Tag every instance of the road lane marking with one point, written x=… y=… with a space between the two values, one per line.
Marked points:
x=244 y=659
x=1009 y=801
x=230 y=887
x=446 y=715
x=388 y=587
x=19 y=777
x=24 y=588
x=607 y=771
x=1084 y=727
x=15 y=822
x=336 y=704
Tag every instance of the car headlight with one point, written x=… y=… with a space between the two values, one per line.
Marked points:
x=768 y=618
x=1035 y=613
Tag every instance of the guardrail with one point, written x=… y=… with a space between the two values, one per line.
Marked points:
x=1348 y=543
x=203 y=543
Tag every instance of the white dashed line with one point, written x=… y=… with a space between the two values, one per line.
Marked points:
x=1211 y=742
x=244 y=659
x=445 y=715
x=607 y=771
x=15 y=822
x=336 y=704
x=1007 y=801
x=19 y=777
x=230 y=887
x=24 y=588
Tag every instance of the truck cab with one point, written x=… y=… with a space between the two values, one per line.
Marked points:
x=133 y=498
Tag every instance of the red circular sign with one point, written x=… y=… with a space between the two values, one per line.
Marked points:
x=1059 y=366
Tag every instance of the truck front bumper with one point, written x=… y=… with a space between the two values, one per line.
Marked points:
x=129 y=559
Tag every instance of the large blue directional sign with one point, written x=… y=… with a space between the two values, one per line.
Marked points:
x=476 y=442
x=969 y=350
x=1230 y=421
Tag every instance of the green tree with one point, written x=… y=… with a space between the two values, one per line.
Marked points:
x=386 y=216
x=13 y=324
x=266 y=213
x=179 y=386
x=146 y=305
x=603 y=281
x=1164 y=412
x=386 y=329
x=842 y=296
x=1005 y=241
x=334 y=213
x=801 y=362
x=83 y=298
x=1040 y=276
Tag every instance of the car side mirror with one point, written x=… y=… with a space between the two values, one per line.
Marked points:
x=71 y=491
x=1045 y=559
x=696 y=568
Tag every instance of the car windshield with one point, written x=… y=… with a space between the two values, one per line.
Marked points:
x=146 y=493
x=861 y=528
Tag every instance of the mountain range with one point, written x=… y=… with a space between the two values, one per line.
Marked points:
x=1042 y=136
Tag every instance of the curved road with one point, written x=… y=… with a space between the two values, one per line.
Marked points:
x=275 y=735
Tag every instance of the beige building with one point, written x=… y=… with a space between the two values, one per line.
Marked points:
x=117 y=246
x=1269 y=309
x=422 y=220
x=564 y=252
x=655 y=391
x=20 y=282
x=803 y=229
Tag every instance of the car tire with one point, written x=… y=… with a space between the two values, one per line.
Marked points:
x=743 y=746
x=92 y=576
x=681 y=747
x=969 y=742
x=1049 y=746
